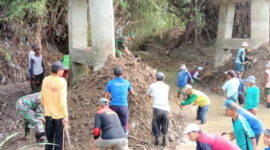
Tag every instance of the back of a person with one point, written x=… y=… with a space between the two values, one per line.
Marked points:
x=217 y=142
x=52 y=89
x=182 y=78
x=254 y=122
x=243 y=140
x=37 y=66
x=240 y=50
x=119 y=88
x=232 y=86
x=30 y=101
x=110 y=125
x=252 y=97
x=202 y=99
x=160 y=93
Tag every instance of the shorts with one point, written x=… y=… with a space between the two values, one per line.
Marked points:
x=267 y=91
x=180 y=90
x=240 y=67
x=118 y=144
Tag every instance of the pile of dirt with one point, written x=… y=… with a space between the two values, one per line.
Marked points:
x=83 y=99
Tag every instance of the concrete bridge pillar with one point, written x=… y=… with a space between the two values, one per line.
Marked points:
x=101 y=28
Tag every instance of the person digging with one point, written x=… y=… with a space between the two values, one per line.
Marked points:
x=182 y=80
x=108 y=131
x=159 y=91
x=198 y=98
x=121 y=45
x=29 y=107
x=206 y=141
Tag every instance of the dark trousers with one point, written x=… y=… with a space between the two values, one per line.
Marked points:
x=54 y=133
x=160 y=122
x=123 y=114
x=202 y=113
x=241 y=99
x=36 y=83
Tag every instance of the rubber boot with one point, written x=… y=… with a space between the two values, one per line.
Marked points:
x=164 y=140
x=40 y=137
x=268 y=105
x=156 y=140
x=26 y=129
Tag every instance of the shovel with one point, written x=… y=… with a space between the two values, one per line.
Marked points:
x=68 y=137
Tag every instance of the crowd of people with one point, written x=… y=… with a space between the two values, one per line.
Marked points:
x=46 y=108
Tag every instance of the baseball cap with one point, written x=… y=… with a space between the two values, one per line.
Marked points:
x=191 y=128
x=267 y=132
x=118 y=70
x=160 y=75
x=103 y=101
x=57 y=66
x=251 y=79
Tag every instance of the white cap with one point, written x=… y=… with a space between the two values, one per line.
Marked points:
x=187 y=87
x=183 y=67
x=244 y=44
x=200 y=68
x=191 y=128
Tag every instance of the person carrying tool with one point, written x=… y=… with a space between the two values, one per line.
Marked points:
x=54 y=102
x=36 y=69
x=108 y=131
x=242 y=131
x=118 y=89
x=206 y=141
x=182 y=79
x=266 y=84
x=254 y=122
x=196 y=74
x=159 y=91
x=252 y=95
x=121 y=44
x=198 y=98
x=240 y=59
x=266 y=138
x=29 y=107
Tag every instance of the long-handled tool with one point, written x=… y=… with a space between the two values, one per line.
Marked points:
x=68 y=137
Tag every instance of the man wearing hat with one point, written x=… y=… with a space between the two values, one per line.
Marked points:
x=266 y=138
x=182 y=79
x=159 y=91
x=242 y=131
x=207 y=141
x=240 y=59
x=252 y=95
x=266 y=84
x=118 y=89
x=198 y=98
x=36 y=69
x=54 y=102
x=254 y=122
x=108 y=131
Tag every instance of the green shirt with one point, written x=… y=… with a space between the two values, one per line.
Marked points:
x=65 y=61
x=243 y=133
x=252 y=97
x=121 y=42
x=190 y=99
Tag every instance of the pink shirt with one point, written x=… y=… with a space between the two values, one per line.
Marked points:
x=217 y=142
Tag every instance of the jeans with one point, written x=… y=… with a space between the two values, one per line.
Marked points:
x=123 y=114
x=54 y=133
x=160 y=122
x=202 y=113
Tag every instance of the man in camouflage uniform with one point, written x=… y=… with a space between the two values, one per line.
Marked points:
x=121 y=44
x=30 y=108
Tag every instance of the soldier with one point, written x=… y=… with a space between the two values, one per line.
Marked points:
x=121 y=44
x=29 y=107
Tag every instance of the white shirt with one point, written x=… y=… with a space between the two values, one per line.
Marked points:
x=267 y=85
x=37 y=66
x=196 y=75
x=160 y=93
x=231 y=86
x=30 y=54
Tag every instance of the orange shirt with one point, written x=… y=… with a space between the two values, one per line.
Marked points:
x=54 y=97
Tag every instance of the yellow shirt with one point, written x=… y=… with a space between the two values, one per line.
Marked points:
x=198 y=98
x=54 y=97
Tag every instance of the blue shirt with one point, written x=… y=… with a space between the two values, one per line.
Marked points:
x=254 y=122
x=252 y=97
x=267 y=148
x=119 y=88
x=240 y=59
x=183 y=76
x=243 y=133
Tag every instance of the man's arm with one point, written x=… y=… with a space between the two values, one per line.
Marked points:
x=242 y=57
x=32 y=68
x=97 y=126
x=107 y=91
x=189 y=100
x=190 y=77
x=63 y=100
x=249 y=133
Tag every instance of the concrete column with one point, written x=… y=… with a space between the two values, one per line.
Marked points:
x=225 y=28
x=77 y=20
x=102 y=29
x=260 y=19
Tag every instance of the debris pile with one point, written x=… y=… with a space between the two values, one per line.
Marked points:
x=83 y=99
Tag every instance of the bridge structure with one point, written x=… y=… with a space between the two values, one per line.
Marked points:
x=91 y=35
x=259 y=32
